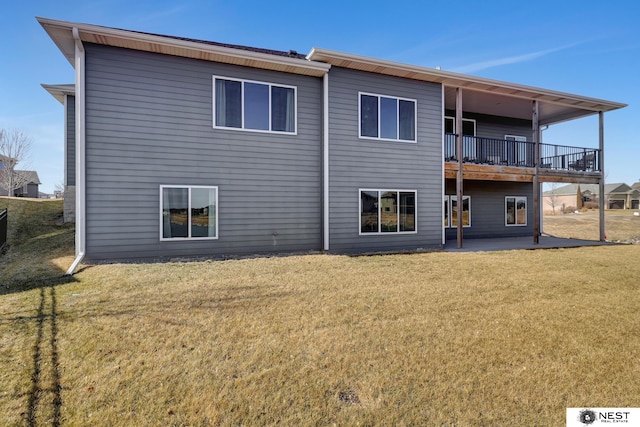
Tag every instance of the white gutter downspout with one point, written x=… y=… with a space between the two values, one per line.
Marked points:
x=80 y=153
x=325 y=149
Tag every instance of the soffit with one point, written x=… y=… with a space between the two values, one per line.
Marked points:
x=479 y=95
x=61 y=32
x=60 y=91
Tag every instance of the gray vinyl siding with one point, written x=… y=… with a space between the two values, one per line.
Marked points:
x=383 y=165
x=488 y=126
x=149 y=123
x=488 y=208
x=498 y=127
x=70 y=140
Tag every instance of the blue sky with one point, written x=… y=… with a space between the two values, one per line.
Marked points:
x=589 y=48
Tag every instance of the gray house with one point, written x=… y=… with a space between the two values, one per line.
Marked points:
x=31 y=181
x=179 y=147
x=616 y=196
x=31 y=188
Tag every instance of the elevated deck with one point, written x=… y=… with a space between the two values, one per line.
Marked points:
x=511 y=160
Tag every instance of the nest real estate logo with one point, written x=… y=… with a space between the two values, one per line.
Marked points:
x=581 y=417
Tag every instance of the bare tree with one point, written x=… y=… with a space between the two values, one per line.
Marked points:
x=59 y=190
x=15 y=147
x=553 y=198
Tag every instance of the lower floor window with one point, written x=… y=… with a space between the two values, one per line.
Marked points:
x=451 y=211
x=387 y=211
x=515 y=210
x=188 y=212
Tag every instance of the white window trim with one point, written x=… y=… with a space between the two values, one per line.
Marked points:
x=391 y=233
x=449 y=199
x=526 y=204
x=182 y=239
x=475 y=128
x=447 y=210
x=518 y=138
x=242 y=128
x=415 y=118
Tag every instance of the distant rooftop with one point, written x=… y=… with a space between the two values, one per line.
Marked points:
x=572 y=189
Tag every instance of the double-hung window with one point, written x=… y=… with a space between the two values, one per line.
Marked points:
x=188 y=212
x=388 y=118
x=387 y=211
x=251 y=105
x=515 y=211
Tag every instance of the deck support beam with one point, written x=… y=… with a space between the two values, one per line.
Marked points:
x=536 y=177
x=459 y=176
x=601 y=196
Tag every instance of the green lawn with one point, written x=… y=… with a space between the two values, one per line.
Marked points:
x=505 y=338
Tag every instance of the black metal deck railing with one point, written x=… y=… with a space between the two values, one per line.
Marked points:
x=562 y=157
x=493 y=151
x=3 y=228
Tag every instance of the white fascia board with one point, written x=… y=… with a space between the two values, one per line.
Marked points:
x=60 y=32
x=59 y=91
x=451 y=79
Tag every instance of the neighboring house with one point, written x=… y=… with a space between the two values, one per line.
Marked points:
x=179 y=147
x=30 y=189
x=616 y=196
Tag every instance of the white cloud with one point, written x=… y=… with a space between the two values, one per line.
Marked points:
x=483 y=65
x=160 y=15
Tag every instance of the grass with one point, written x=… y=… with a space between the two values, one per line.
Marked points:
x=424 y=339
x=37 y=243
x=620 y=225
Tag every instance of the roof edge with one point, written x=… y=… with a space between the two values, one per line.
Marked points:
x=59 y=91
x=60 y=33
x=452 y=79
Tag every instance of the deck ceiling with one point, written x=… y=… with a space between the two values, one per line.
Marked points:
x=550 y=109
x=480 y=95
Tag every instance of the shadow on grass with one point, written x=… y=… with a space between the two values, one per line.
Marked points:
x=47 y=313
x=33 y=271
x=35 y=237
x=44 y=400
x=26 y=266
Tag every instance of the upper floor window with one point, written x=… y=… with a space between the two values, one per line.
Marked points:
x=468 y=126
x=244 y=104
x=385 y=117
